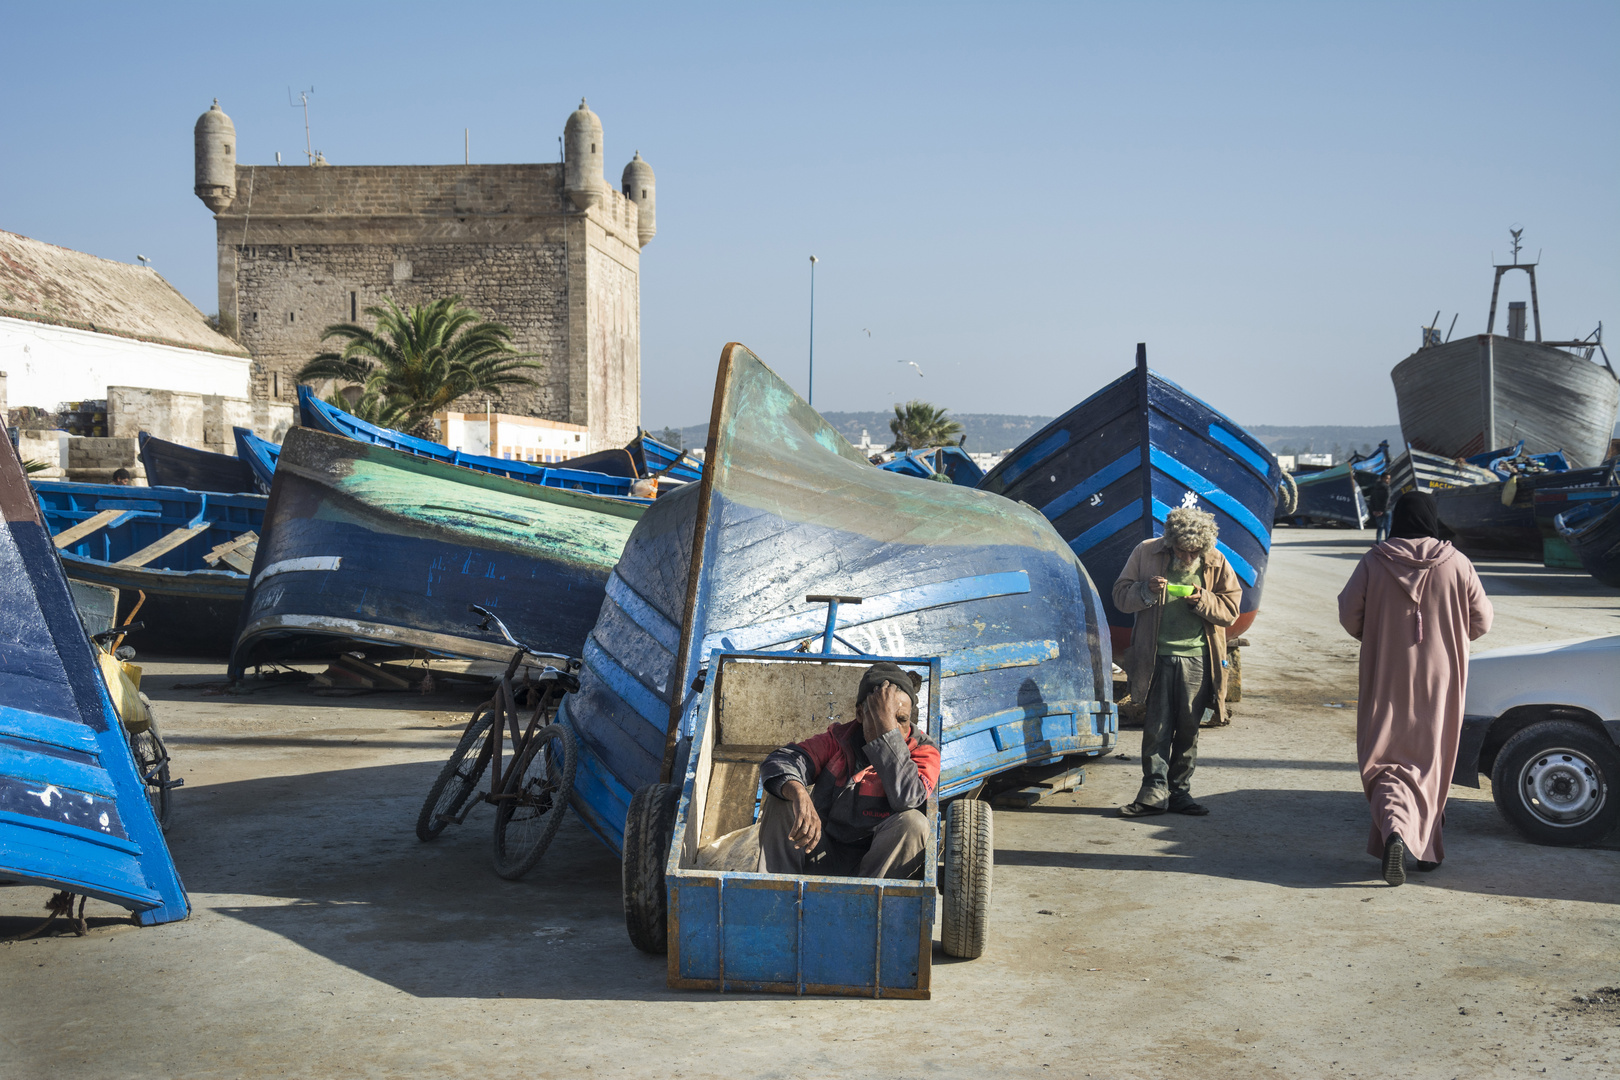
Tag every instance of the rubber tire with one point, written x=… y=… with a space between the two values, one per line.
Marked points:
x=516 y=855
x=151 y=755
x=969 y=863
x=427 y=824
x=649 y=830
x=1533 y=743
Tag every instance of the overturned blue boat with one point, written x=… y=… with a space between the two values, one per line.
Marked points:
x=181 y=555
x=609 y=473
x=1108 y=471
x=74 y=814
x=951 y=462
x=786 y=510
x=367 y=547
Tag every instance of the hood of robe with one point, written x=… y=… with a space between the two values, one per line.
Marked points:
x=1409 y=563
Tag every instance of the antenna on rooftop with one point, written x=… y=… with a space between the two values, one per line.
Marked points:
x=303 y=99
x=1516 y=233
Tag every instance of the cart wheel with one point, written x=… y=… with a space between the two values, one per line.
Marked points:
x=969 y=856
x=542 y=780
x=458 y=779
x=152 y=765
x=649 y=829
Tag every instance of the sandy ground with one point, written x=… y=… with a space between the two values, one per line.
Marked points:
x=326 y=941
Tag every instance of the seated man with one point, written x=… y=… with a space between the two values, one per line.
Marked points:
x=850 y=801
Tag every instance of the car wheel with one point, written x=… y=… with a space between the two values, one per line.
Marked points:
x=1558 y=782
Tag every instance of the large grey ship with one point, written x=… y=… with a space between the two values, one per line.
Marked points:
x=1478 y=393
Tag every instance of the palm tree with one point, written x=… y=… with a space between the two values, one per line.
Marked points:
x=418 y=360
x=919 y=425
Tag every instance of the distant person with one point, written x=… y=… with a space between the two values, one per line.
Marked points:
x=1414 y=603
x=123 y=478
x=1176 y=662
x=1378 y=506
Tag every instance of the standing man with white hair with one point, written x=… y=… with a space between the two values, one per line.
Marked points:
x=1185 y=594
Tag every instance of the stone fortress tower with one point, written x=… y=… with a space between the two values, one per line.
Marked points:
x=549 y=250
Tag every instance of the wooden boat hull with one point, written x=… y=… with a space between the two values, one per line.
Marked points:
x=260 y=456
x=788 y=509
x=1593 y=534
x=73 y=812
x=949 y=461
x=1572 y=490
x=643 y=456
x=169 y=464
x=1331 y=495
x=363 y=545
x=1468 y=395
x=1108 y=471
x=189 y=607
x=1475 y=520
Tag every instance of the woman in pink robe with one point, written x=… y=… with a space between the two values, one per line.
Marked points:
x=1414 y=603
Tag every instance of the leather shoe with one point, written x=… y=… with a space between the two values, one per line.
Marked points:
x=1426 y=867
x=1190 y=808
x=1395 y=860
x=1138 y=809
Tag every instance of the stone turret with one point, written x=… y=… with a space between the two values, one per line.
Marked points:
x=582 y=153
x=216 y=159
x=640 y=188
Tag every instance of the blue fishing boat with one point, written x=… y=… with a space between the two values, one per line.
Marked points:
x=74 y=814
x=169 y=464
x=176 y=553
x=1108 y=471
x=1573 y=490
x=322 y=416
x=260 y=455
x=787 y=510
x=951 y=462
x=365 y=546
x=1592 y=532
x=1332 y=495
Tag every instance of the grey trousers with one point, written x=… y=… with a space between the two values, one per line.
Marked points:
x=897 y=850
x=1176 y=701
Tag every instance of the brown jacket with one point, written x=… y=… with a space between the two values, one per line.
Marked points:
x=1218 y=601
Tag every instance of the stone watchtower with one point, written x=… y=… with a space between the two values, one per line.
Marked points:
x=550 y=250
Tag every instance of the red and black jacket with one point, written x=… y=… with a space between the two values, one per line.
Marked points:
x=856 y=786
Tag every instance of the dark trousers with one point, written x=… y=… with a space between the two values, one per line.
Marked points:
x=896 y=849
x=1176 y=701
x=1380 y=528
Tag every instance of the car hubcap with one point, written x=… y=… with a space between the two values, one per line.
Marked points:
x=1562 y=787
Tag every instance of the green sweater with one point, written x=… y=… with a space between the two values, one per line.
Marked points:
x=1181 y=631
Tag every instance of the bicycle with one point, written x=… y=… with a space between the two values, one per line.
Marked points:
x=134 y=710
x=531 y=794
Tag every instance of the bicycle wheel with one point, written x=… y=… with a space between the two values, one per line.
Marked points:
x=152 y=765
x=458 y=779
x=542 y=780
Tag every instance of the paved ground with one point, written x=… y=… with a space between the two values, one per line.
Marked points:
x=327 y=942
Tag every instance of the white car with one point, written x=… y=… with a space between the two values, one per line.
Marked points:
x=1543 y=721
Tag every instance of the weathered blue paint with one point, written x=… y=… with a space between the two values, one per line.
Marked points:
x=949 y=461
x=73 y=812
x=1592 y=531
x=190 y=607
x=944 y=570
x=991 y=657
x=363 y=544
x=810 y=934
x=1331 y=495
x=1108 y=470
x=260 y=455
x=170 y=464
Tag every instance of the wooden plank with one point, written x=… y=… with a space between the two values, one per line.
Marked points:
x=240 y=560
x=373 y=672
x=249 y=538
x=69 y=537
x=165 y=544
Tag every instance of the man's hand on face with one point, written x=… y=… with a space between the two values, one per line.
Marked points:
x=884 y=709
x=806 y=831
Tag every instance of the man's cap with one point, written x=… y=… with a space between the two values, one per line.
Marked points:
x=885 y=672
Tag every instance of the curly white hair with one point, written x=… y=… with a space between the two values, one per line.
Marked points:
x=1189 y=529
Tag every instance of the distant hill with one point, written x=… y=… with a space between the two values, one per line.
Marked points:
x=1338 y=441
x=986 y=432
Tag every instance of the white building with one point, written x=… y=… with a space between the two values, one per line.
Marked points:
x=514 y=438
x=71 y=325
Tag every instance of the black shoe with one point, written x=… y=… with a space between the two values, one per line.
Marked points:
x=1190 y=808
x=1395 y=860
x=1426 y=867
x=1137 y=809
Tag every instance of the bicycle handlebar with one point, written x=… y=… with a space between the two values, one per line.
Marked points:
x=569 y=663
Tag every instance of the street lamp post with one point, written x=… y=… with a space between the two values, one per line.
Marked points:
x=812 y=395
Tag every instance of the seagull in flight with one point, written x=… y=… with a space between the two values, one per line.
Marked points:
x=865 y=331
x=913 y=363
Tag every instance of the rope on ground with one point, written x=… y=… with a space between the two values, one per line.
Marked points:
x=60 y=906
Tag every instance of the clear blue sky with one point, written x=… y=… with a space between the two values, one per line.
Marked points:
x=1274 y=196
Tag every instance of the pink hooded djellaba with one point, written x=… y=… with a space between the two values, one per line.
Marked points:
x=1414 y=605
